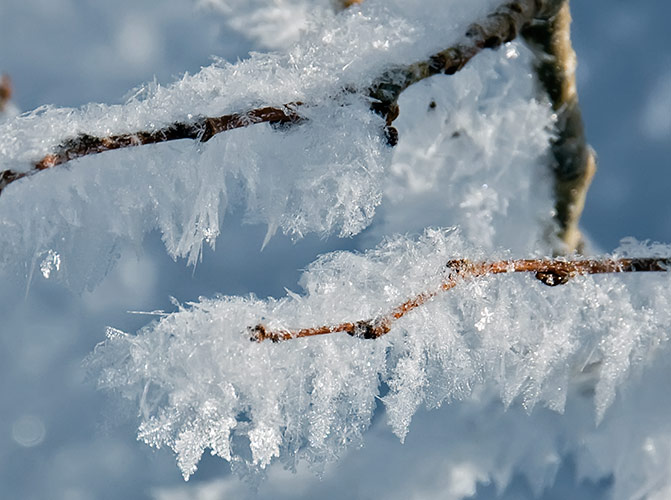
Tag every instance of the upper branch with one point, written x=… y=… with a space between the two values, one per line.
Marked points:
x=500 y=26
x=202 y=129
x=551 y=272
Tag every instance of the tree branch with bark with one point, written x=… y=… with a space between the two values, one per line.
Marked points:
x=502 y=25
x=5 y=91
x=551 y=272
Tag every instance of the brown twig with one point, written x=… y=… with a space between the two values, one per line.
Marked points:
x=502 y=25
x=5 y=91
x=573 y=160
x=551 y=272
x=202 y=129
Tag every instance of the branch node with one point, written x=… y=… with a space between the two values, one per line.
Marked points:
x=460 y=266
x=553 y=278
x=259 y=333
x=370 y=329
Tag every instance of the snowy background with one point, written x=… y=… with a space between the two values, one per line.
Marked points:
x=60 y=438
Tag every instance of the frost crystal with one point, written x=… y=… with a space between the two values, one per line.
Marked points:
x=201 y=384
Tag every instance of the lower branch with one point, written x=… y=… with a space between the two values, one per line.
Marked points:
x=551 y=272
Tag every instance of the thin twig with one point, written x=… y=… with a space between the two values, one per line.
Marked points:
x=551 y=272
x=573 y=160
x=502 y=25
x=202 y=130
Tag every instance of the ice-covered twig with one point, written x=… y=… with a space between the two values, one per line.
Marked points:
x=501 y=25
x=202 y=129
x=5 y=91
x=551 y=272
x=574 y=161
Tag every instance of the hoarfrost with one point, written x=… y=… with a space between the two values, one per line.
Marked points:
x=201 y=384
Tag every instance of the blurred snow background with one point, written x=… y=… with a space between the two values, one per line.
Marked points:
x=59 y=438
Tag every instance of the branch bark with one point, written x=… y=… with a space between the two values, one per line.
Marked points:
x=5 y=91
x=551 y=272
x=573 y=160
x=202 y=130
x=500 y=26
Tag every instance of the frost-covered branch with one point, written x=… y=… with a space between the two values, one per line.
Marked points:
x=501 y=25
x=574 y=161
x=199 y=383
x=551 y=272
x=202 y=130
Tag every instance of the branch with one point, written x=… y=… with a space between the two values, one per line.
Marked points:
x=574 y=161
x=502 y=25
x=202 y=130
x=5 y=91
x=345 y=4
x=551 y=272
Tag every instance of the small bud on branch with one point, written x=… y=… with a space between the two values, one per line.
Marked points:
x=551 y=272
